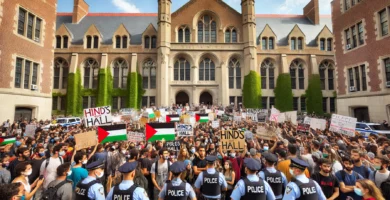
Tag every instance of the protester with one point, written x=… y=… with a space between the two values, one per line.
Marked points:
x=160 y=172
x=327 y=181
x=12 y=191
x=367 y=189
x=62 y=188
x=22 y=171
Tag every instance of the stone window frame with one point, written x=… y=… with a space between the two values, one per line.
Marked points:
x=94 y=44
x=23 y=73
x=148 y=100
x=60 y=101
x=91 y=102
x=234 y=67
x=348 y=4
x=353 y=30
x=122 y=41
x=149 y=65
x=152 y=42
x=296 y=65
x=63 y=42
x=386 y=78
x=93 y=64
x=378 y=25
x=183 y=31
x=182 y=67
x=36 y=18
x=61 y=65
x=119 y=102
x=211 y=66
x=230 y=30
x=268 y=64
x=212 y=26
x=123 y=70
x=357 y=71
x=327 y=65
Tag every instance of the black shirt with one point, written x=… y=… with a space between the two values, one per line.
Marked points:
x=36 y=167
x=147 y=163
x=198 y=163
x=327 y=183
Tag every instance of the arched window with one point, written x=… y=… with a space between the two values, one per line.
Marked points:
x=89 y=42
x=118 y=42
x=326 y=69
x=264 y=43
x=329 y=44
x=66 y=40
x=58 y=42
x=61 y=71
x=322 y=44
x=207 y=70
x=271 y=43
x=207 y=29
x=154 y=42
x=234 y=74
x=95 y=42
x=124 y=42
x=147 y=42
x=120 y=70
x=184 y=34
x=231 y=35
x=293 y=43
x=267 y=72
x=91 y=72
x=149 y=74
x=297 y=72
x=300 y=43
x=182 y=70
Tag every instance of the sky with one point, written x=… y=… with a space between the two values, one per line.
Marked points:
x=150 y=6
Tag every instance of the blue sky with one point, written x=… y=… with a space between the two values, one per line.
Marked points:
x=150 y=6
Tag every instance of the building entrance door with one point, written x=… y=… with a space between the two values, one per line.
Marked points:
x=182 y=98
x=361 y=114
x=22 y=113
x=206 y=99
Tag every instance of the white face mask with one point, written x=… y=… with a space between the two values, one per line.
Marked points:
x=61 y=153
x=69 y=173
x=100 y=175
x=28 y=172
x=123 y=151
x=232 y=155
x=85 y=162
x=291 y=172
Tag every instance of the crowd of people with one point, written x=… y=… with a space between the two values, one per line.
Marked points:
x=291 y=165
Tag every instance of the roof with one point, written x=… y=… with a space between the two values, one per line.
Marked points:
x=136 y=24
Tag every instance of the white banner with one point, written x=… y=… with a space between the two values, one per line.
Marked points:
x=343 y=124
x=288 y=116
x=97 y=116
x=307 y=120
x=318 y=124
x=30 y=130
x=237 y=118
x=274 y=115
x=184 y=130
x=215 y=124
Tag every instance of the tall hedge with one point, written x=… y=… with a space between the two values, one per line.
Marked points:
x=283 y=93
x=252 y=91
x=314 y=95
x=104 y=87
x=140 y=91
x=132 y=87
x=73 y=94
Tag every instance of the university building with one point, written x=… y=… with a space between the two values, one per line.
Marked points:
x=362 y=52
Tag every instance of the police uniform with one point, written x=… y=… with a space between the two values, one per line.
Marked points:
x=127 y=189
x=301 y=187
x=90 y=187
x=210 y=181
x=252 y=187
x=177 y=189
x=275 y=178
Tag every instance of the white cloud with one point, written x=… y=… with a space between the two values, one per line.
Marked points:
x=126 y=6
x=294 y=6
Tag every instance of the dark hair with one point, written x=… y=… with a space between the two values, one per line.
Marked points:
x=347 y=159
x=133 y=154
x=143 y=151
x=58 y=148
x=325 y=161
x=21 y=167
x=161 y=152
x=7 y=191
x=176 y=174
x=21 y=150
x=38 y=148
x=202 y=147
x=63 y=168
x=79 y=156
x=292 y=149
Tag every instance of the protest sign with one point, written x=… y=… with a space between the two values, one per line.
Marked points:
x=184 y=130
x=172 y=145
x=220 y=112
x=211 y=116
x=262 y=116
x=135 y=136
x=288 y=117
x=274 y=115
x=303 y=128
x=343 y=125
x=30 y=130
x=97 y=116
x=243 y=115
x=318 y=124
x=85 y=140
x=307 y=120
x=215 y=124
x=232 y=140
x=248 y=135
x=237 y=118
x=264 y=133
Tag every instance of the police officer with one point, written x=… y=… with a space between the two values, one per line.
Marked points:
x=275 y=178
x=90 y=187
x=209 y=182
x=177 y=189
x=127 y=189
x=252 y=187
x=301 y=187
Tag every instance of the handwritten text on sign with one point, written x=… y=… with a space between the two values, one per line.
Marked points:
x=232 y=140
x=184 y=130
x=173 y=145
x=135 y=136
x=85 y=140
x=97 y=116
x=343 y=124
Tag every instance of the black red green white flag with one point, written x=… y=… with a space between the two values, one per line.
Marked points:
x=160 y=131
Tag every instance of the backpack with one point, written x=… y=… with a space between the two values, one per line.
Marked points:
x=156 y=167
x=385 y=187
x=48 y=161
x=140 y=179
x=51 y=192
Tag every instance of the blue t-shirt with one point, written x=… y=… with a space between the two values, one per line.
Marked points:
x=349 y=180
x=77 y=175
x=362 y=170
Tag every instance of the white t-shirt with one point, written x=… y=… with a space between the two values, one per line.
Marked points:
x=49 y=172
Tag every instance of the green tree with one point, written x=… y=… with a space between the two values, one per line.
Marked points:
x=283 y=93
x=252 y=91
x=314 y=95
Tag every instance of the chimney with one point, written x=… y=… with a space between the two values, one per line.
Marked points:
x=80 y=10
x=312 y=11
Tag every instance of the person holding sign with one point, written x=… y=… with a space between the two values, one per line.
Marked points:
x=177 y=189
x=209 y=182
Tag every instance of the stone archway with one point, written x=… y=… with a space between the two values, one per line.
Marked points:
x=206 y=98
x=182 y=98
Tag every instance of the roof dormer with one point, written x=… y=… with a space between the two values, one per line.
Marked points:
x=325 y=39
x=121 y=38
x=267 y=38
x=297 y=39
x=92 y=38
x=149 y=37
x=63 y=37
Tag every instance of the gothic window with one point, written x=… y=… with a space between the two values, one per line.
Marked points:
x=121 y=70
x=182 y=70
x=234 y=74
x=297 y=72
x=267 y=71
x=207 y=70
x=149 y=74
x=207 y=29
x=91 y=72
x=184 y=34
x=327 y=75
x=61 y=70
x=231 y=35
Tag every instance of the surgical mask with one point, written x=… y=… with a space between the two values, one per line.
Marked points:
x=358 y=191
x=192 y=150
x=232 y=155
x=123 y=151
x=22 y=197
x=377 y=167
x=18 y=143
x=166 y=157
x=69 y=173
x=325 y=155
x=100 y=175
x=41 y=154
x=28 y=172
x=292 y=172
x=266 y=148
x=61 y=153
x=71 y=137
x=85 y=162
x=219 y=157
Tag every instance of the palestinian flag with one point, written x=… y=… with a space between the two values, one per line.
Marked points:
x=112 y=133
x=172 y=118
x=159 y=131
x=150 y=112
x=202 y=118
x=7 y=140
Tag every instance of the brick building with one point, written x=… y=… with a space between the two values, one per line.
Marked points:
x=26 y=58
x=197 y=54
x=362 y=52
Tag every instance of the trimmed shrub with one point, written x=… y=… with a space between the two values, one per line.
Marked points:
x=104 y=87
x=73 y=95
x=140 y=91
x=283 y=93
x=251 y=91
x=314 y=95
x=133 y=90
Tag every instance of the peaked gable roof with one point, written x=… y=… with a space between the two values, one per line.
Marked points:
x=65 y=29
x=92 y=28
x=324 y=30
x=267 y=27
x=189 y=3
x=296 y=27
x=121 y=29
x=150 y=28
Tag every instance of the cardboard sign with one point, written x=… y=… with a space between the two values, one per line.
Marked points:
x=97 y=116
x=288 y=117
x=135 y=136
x=237 y=118
x=172 y=145
x=30 y=130
x=343 y=125
x=220 y=112
x=304 y=128
x=248 y=135
x=318 y=124
x=232 y=140
x=211 y=116
x=215 y=124
x=85 y=140
x=184 y=130
x=262 y=116
x=264 y=133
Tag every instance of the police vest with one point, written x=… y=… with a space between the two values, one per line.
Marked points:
x=210 y=186
x=176 y=192
x=308 y=190
x=254 y=190
x=124 y=194
x=82 y=189
x=275 y=180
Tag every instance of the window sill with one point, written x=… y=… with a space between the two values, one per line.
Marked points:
x=40 y=43
x=351 y=50
x=383 y=37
